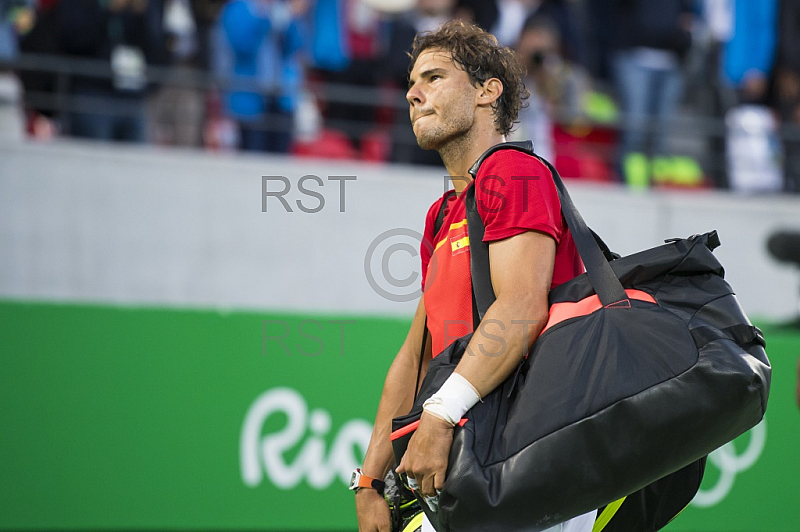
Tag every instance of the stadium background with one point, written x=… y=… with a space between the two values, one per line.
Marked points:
x=178 y=351
x=145 y=296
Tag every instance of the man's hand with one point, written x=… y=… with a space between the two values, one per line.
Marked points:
x=372 y=511
x=428 y=453
x=396 y=399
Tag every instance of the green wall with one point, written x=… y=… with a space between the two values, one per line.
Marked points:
x=133 y=418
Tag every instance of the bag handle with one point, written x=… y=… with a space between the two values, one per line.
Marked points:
x=601 y=276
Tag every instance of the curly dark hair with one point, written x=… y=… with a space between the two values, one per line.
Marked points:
x=478 y=53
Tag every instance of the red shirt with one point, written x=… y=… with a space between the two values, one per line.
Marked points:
x=515 y=193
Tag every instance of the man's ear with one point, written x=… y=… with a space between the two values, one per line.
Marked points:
x=491 y=89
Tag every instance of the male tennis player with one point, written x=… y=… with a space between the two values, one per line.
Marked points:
x=464 y=95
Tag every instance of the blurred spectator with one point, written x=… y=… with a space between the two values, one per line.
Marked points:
x=571 y=19
x=512 y=15
x=177 y=108
x=555 y=84
x=16 y=18
x=745 y=35
x=350 y=54
x=41 y=85
x=355 y=34
x=329 y=47
x=787 y=89
x=12 y=122
x=205 y=14
x=427 y=16
x=430 y=14
x=748 y=32
x=125 y=34
x=484 y=13
x=600 y=38
x=375 y=46
x=565 y=116
x=653 y=37
x=258 y=56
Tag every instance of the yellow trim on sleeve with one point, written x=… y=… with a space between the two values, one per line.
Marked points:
x=456 y=225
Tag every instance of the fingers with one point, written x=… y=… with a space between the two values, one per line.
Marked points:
x=425 y=460
x=426 y=486
x=438 y=481
x=372 y=512
x=381 y=527
x=384 y=527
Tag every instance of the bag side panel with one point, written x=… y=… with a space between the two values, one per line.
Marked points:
x=587 y=364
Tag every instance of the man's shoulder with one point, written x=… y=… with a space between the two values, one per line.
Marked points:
x=436 y=206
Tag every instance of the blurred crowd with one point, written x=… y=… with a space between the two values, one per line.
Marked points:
x=684 y=93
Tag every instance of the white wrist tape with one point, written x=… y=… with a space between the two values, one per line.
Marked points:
x=453 y=399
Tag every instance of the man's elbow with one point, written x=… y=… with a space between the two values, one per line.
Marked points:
x=530 y=311
x=536 y=319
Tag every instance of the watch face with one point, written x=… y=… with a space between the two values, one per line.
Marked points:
x=354 y=480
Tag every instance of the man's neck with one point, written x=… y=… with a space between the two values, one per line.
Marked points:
x=460 y=154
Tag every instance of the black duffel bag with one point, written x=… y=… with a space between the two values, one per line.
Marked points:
x=647 y=364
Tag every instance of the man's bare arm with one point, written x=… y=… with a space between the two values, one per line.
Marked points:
x=522 y=270
x=396 y=399
x=397 y=396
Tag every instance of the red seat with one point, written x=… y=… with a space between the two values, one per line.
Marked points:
x=330 y=144
x=585 y=152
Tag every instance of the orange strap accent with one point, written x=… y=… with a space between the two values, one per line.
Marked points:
x=569 y=309
x=411 y=427
x=366 y=482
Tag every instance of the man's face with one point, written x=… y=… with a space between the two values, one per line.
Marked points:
x=442 y=101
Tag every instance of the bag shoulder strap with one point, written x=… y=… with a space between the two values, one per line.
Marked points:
x=594 y=253
x=440 y=215
x=437 y=225
x=602 y=277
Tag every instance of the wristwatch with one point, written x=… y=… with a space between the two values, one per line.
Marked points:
x=360 y=480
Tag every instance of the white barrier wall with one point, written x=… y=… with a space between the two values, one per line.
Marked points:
x=141 y=225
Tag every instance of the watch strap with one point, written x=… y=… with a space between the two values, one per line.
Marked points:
x=361 y=480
